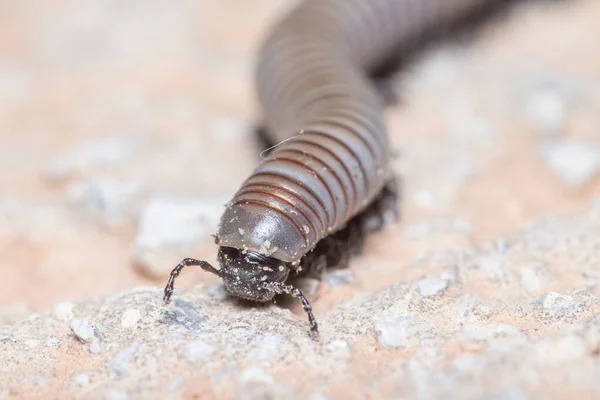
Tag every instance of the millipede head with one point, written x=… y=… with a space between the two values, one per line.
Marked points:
x=245 y=273
x=248 y=275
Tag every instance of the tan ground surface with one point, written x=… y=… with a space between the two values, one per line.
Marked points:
x=109 y=108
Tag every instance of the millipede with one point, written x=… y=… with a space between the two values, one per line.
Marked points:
x=306 y=206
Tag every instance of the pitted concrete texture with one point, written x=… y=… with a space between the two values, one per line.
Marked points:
x=497 y=320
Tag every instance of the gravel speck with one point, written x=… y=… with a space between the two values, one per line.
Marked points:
x=399 y=331
x=81 y=379
x=575 y=163
x=557 y=304
x=64 y=311
x=95 y=346
x=433 y=286
x=82 y=329
x=130 y=318
x=160 y=232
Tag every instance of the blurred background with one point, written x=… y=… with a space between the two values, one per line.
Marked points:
x=125 y=126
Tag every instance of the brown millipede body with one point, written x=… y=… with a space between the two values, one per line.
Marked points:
x=299 y=210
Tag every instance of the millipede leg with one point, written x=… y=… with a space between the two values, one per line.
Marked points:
x=279 y=287
x=186 y=262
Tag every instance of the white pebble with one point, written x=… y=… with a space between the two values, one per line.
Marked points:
x=32 y=343
x=557 y=304
x=339 y=348
x=52 y=342
x=160 y=229
x=95 y=346
x=530 y=278
x=82 y=329
x=337 y=344
x=397 y=331
x=81 y=379
x=574 y=162
x=64 y=311
x=432 y=286
x=130 y=318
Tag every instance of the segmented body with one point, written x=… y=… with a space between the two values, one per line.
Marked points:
x=322 y=108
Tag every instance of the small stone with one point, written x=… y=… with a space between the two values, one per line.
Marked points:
x=160 y=232
x=198 y=350
x=64 y=311
x=257 y=375
x=339 y=348
x=32 y=343
x=557 y=304
x=530 y=278
x=95 y=346
x=52 y=342
x=433 y=286
x=32 y=318
x=81 y=379
x=82 y=329
x=130 y=318
x=575 y=163
x=337 y=344
x=399 y=331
